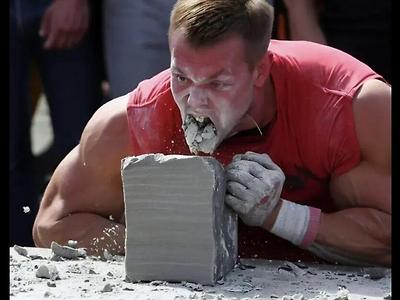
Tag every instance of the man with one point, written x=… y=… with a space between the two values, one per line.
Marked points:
x=299 y=126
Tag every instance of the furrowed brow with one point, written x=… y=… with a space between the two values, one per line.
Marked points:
x=176 y=69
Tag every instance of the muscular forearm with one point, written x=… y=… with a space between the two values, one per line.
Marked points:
x=360 y=236
x=353 y=236
x=93 y=232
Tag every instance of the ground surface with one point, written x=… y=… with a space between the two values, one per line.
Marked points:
x=91 y=278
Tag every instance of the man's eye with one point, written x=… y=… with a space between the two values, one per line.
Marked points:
x=218 y=84
x=180 y=78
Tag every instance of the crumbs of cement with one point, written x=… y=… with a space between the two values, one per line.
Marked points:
x=47 y=271
x=92 y=279
x=200 y=134
x=20 y=250
x=67 y=251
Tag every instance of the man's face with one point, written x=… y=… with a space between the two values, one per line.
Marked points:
x=213 y=88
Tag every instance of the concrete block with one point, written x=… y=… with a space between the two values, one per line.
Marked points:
x=177 y=225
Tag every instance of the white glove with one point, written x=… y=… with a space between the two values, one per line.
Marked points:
x=254 y=186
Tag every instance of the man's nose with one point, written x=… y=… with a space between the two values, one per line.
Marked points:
x=197 y=97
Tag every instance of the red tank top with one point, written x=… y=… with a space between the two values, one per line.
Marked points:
x=312 y=137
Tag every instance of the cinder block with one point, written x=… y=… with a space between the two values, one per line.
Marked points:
x=177 y=225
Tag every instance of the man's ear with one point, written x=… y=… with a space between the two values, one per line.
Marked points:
x=261 y=72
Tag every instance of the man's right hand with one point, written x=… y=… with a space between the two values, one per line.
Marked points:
x=64 y=23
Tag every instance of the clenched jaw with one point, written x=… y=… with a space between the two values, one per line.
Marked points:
x=200 y=134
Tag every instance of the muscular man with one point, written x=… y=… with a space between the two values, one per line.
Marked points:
x=303 y=130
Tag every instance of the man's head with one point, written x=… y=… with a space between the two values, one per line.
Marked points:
x=217 y=49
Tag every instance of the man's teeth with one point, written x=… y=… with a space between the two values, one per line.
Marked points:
x=199 y=119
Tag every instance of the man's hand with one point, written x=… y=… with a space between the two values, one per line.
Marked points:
x=64 y=23
x=254 y=186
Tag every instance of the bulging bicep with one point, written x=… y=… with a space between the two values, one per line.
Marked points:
x=89 y=178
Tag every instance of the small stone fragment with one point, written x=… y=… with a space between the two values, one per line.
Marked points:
x=294 y=297
x=388 y=296
x=192 y=286
x=107 y=288
x=72 y=244
x=47 y=294
x=342 y=294
x=67 y=252
x=47 y=271
x=107 y=255
x=20 y=250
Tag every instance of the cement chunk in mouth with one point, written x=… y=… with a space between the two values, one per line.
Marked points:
x=200 y=134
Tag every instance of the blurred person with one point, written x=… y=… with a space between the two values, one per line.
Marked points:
x=361 y=28
x=60 y=36
x=135 y=41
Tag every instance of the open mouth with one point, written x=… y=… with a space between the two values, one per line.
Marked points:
x=200 y=134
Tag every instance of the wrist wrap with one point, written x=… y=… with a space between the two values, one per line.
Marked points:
x=297 y=223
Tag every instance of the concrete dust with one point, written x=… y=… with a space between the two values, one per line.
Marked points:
x=91 y=277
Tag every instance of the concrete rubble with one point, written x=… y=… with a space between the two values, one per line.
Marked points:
x=92 y=278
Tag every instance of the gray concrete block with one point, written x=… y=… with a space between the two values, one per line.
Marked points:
x=177 y=225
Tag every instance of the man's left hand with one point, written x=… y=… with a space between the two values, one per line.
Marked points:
x=254 y=186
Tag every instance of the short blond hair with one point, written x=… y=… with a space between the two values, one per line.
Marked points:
x=206 y=22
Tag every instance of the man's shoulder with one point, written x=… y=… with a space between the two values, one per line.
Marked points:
x=303 y=62
x=106 y=136
x=302 y=48
x=151 y=89
x=109 y=121
x=318 y=66
x=307 y=53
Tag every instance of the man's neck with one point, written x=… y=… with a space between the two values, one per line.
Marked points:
x=263 y=109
